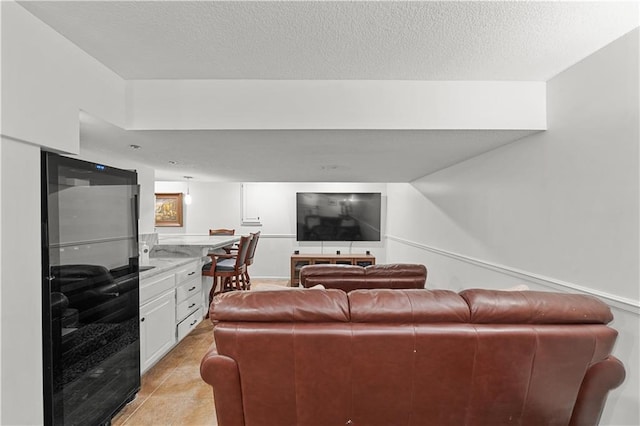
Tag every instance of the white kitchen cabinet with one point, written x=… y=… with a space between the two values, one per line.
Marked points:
x=250 y=204
x=170 y=307
x=188 y=272
x=157 y=329
x=154 y=286
x=189 y=324
x=187 y=307
x=188 y=300
x=186 y=290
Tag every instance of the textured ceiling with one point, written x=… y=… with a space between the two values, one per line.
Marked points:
x=369 y=40
x=329 y=40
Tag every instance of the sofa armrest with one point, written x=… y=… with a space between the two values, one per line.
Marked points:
x=600 y=378
x=221 y=372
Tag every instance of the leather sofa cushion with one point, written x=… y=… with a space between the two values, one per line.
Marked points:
x=397 y=274
x=345 y=276
x=534 y=307
x=334 y=271
x=407 y=306
x=476 y=306
x=295 y=305
x=352 y=277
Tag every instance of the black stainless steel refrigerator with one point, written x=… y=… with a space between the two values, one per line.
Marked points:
x=90 y=296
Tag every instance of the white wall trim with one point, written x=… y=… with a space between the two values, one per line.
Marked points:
x=623 y=303
x=286 y=236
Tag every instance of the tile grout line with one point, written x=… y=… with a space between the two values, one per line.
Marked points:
x=149 y=395
x=155 y=389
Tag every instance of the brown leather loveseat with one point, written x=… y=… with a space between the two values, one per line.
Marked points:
x=353 y=277
x=410 y=357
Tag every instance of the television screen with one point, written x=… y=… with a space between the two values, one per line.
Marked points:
x=338 y=216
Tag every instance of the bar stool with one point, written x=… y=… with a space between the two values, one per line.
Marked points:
x=250 y=253
x=228 y=269
x=223 y=231
x=255 y=236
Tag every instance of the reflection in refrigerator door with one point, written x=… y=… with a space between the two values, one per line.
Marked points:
x=91 y=338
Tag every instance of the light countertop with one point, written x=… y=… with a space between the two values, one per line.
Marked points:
x=190 y=245
x=210 y=241
x=164 y=264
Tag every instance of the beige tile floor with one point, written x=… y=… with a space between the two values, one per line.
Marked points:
x=172 y=392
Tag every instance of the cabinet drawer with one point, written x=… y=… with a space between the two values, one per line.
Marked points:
x=185 y=291
x=154 y=286
x=184 y=308
x=189 y=323
x=188 y=272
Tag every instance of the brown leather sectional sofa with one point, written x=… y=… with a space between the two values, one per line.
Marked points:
x=410 y=357
x=353 y=277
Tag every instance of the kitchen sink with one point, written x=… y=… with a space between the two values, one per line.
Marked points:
x=146 y=268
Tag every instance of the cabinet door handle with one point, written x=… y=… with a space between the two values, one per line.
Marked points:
x=192 y=288
x=191 y=273
x=142 y=319
x=194 y=321
x=191 y=305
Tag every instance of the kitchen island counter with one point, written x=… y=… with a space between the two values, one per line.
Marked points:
x=190 y=245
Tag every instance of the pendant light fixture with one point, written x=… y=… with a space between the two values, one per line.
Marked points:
x=187 y=197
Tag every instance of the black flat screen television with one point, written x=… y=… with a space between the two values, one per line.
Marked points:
x=338 y=216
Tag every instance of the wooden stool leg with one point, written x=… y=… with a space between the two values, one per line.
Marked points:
x=243 y=282
x=226 y=286
x=236 y=283
x=247 y=280
x=211 y=294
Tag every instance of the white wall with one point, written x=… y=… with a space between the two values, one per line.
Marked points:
x=558 y=210
x=218 y=205
x=46 y=81
x=20 y=284
x=1 y=215
x=340 y=104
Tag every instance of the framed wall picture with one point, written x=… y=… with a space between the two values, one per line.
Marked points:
x=168 y=209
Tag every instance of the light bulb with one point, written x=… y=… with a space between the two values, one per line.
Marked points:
x=187 y=197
